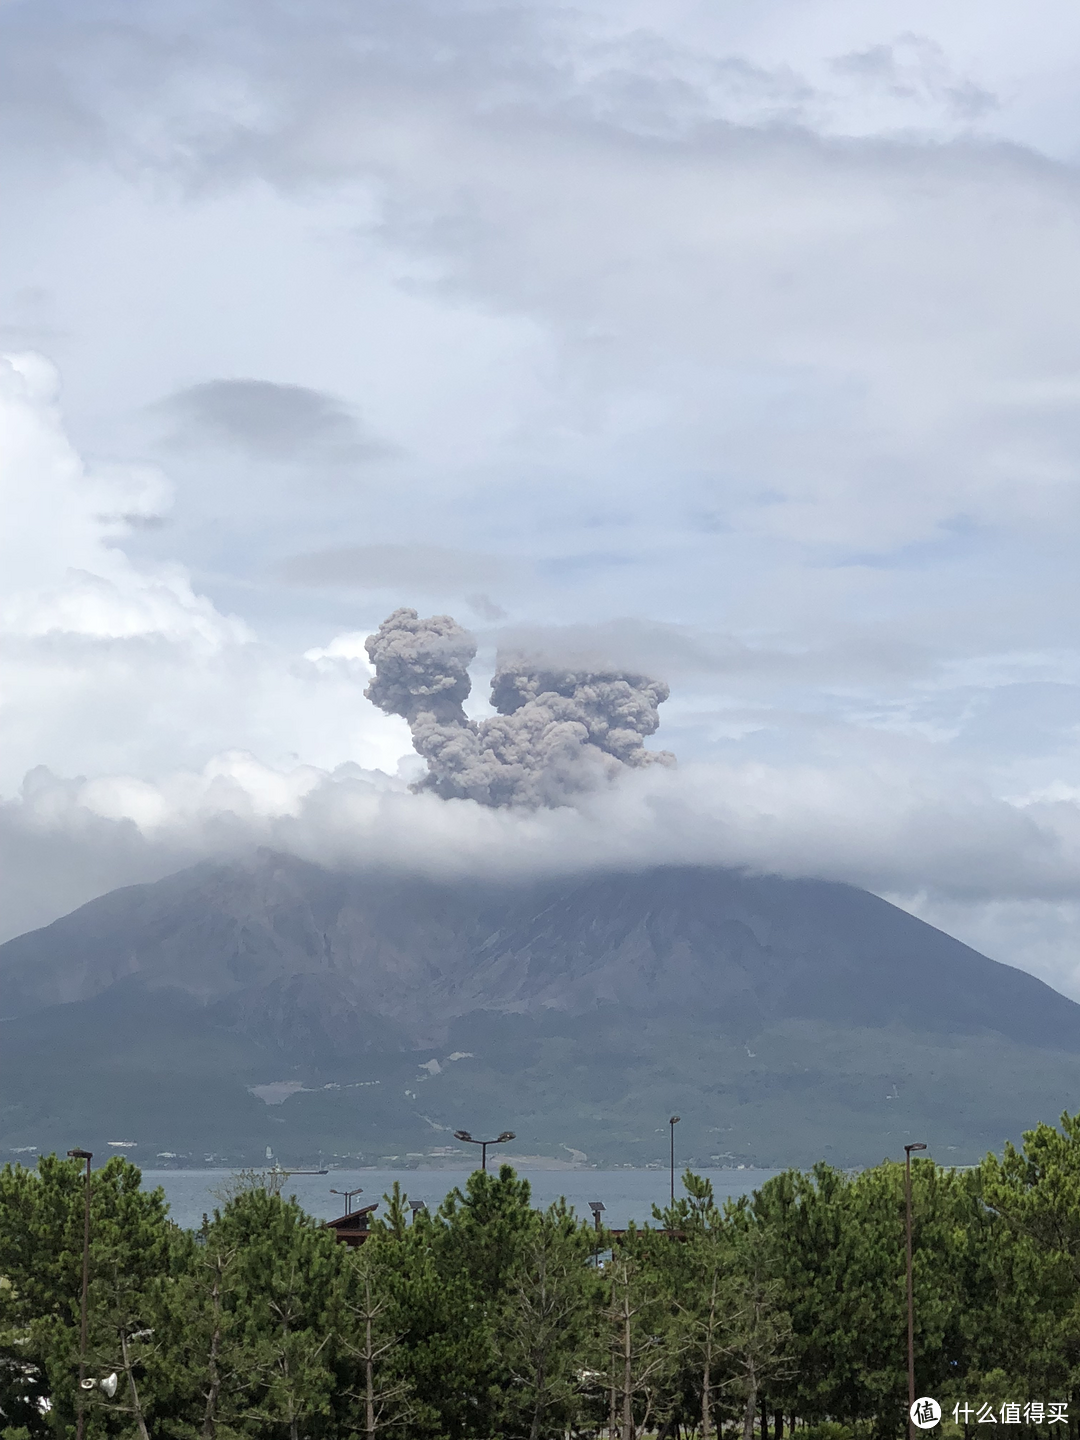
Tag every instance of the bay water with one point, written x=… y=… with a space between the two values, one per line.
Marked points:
x=626 y=1194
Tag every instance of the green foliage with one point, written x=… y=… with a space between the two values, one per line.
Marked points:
x=547 y=1321
x=271 y=1182
x=41 y=1244
x=491 y=1318
x=1034 y=1196
x=288 y=1268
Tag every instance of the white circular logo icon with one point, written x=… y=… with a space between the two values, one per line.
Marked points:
x=925 y=1413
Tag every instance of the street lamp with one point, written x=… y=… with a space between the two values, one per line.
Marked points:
x=597 y=1207
x=499 y=1140
x=673 y=1122
x=910 y=1289
x=416 y=1206
x=86 y=1155
x=347 y=1196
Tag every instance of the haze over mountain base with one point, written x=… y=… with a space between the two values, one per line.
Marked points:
x=365 y=1017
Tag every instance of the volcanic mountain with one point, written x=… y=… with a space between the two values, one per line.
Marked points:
x=275 y=1005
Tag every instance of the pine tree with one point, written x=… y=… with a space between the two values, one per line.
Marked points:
x=550 y=1309
x=640 y=1340
x=41 y=1243
x=286 y=1281
x=1034 y=1195
x=756 y=1330
x=692 y=1253
x=371 y=1328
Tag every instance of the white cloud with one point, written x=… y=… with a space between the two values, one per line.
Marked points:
x=65 y=574
x=348 y=647
x=1004 y=877
x=111 y=664
x=744 y=336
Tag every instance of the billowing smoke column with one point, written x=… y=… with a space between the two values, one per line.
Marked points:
x=558 y=732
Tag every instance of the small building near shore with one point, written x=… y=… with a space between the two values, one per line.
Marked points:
x=354 y=1228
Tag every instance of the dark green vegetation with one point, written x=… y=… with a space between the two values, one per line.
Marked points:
x=783 y=1019
x=492 y=1319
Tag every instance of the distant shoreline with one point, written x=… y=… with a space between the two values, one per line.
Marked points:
x=519 y=1162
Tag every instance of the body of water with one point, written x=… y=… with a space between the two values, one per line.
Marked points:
x=626 y=1194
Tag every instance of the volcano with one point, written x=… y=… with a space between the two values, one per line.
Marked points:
x=363 y=1017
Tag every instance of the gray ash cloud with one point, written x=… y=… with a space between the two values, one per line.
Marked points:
x=559 y=732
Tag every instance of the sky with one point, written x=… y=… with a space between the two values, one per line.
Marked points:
x=738 y=345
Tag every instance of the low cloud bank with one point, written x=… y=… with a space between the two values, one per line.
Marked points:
x=980 y=863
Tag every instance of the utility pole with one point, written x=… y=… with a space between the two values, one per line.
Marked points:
x=910 y=1290
x=87 y=1156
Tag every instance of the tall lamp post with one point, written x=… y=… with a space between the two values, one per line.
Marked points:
x=597 y=1207
x=910 y=1289
x=87 y=1156
x=499 y=1140
x=347 y=1196
x=673 y=1122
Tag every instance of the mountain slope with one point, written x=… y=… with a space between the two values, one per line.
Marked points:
x=784 y=1019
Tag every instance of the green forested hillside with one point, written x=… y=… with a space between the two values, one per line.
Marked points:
x=153 y=1070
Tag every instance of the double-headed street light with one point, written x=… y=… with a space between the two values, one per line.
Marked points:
x=347 y=1196
x=499 y=1140
x=910 y=1288
x=86 y=1155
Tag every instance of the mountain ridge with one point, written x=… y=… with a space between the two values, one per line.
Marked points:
x=277 y=967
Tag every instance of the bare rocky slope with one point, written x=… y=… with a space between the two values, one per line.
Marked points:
x=785 y=1020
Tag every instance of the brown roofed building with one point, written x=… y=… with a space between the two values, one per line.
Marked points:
x=353 y=1229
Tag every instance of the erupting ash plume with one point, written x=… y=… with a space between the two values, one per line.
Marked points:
x=558 y=732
